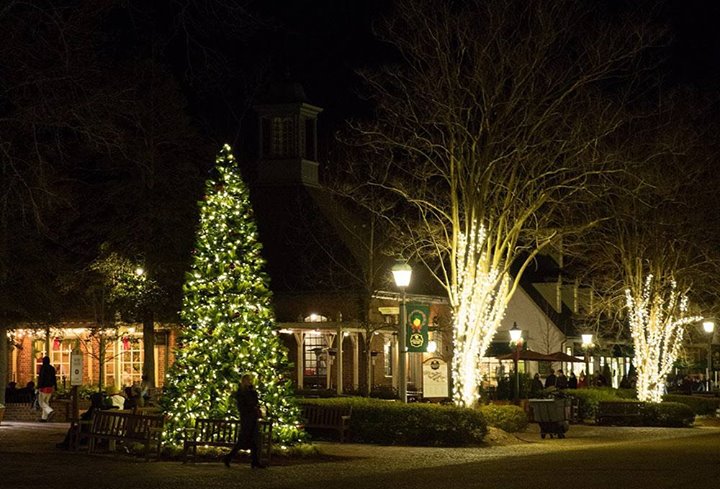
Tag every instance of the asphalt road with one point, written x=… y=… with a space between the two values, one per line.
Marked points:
x=591 y=457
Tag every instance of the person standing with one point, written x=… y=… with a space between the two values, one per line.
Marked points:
x=536 y=387
x=47 y=383
x=561 y=382
x=550 y=380
x=249 y=407
x=572 y=381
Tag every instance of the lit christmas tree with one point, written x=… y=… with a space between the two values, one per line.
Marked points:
x=227 y=320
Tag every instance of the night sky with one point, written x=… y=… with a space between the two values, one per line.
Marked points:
x=169 y=81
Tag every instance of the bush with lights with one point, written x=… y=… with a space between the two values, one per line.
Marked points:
x=228 y=324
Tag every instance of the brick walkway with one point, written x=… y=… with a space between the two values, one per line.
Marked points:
x=29 y=459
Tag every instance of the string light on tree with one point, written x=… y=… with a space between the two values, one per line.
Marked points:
x=658 y=317
x=228 y=322
x=479 y=300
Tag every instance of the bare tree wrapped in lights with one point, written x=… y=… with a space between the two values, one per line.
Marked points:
x=645 y=257
x=229 y=325
x=658 y=314
x=489 y=132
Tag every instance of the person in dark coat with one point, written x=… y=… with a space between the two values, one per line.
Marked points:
x=550 y=380
x=561 y=382
x=537 y=386
x=47 y=383
x=249 y=407
x=572 y=381
x=96 y=404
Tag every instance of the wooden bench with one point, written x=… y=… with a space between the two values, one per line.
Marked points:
x=327 y=418
x=225 y=433
x=609 y=410
x=126 y=426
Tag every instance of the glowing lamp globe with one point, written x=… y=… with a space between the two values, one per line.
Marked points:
x=709 y=326
x=515 y=334
x=587 y=339
x=402 y=272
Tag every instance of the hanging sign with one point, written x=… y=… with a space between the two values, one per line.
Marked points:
x=76 y=368
x=417 y=328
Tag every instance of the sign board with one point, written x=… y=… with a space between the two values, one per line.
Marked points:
x=76 y=368
x=435 y=378
x=417 y=328
x=389 y=310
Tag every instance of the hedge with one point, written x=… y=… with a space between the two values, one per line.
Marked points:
x=589 y=400
x=419 y=424
x=508 y=418
x=667 y=414
x=701 y=406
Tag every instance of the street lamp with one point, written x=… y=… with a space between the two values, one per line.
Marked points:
x=402 y=272
x=587 y=343
x=709 y=327
x=517 y=339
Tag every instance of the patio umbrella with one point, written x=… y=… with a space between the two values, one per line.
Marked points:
x=564 y=357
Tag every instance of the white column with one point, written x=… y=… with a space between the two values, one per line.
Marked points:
x=356 y=360
x=395 y=361
x=300 y=364
x=329 y=338
x=339 y=360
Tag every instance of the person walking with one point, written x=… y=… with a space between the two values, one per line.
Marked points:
x=249 y=407
x=47 y=383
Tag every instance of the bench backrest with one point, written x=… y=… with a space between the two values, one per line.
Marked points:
x=109 y=423
x=217 y=430
x=325 y=415
x=124 y=424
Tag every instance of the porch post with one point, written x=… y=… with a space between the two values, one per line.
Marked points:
x=300 y=364
x=356 y=360
x=339 y=360
x=329 y=338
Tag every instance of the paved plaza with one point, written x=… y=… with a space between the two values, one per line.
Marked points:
x=591 y=457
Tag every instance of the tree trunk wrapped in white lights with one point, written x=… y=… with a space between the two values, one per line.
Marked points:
x=658 y=316
x=479 y=299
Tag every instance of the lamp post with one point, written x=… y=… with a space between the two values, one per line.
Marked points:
x=709 y=327
x=402 y=272
x=587 y=343
x=517 y=339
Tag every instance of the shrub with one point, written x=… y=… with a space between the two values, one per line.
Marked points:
x=668 y=414
x=508 y=418
x=630 y=394
x=701 y=406
x=84 y=391
x=589 y=400
x=384 y=392
x=506 y=387
x=395 y=423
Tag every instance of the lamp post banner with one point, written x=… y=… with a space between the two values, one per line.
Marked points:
x=417 y=327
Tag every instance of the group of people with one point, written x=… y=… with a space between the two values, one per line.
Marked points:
x=38 y=395
x=558 y=380
x=129 y=397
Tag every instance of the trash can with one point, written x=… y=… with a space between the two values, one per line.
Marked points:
x=552 y=415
